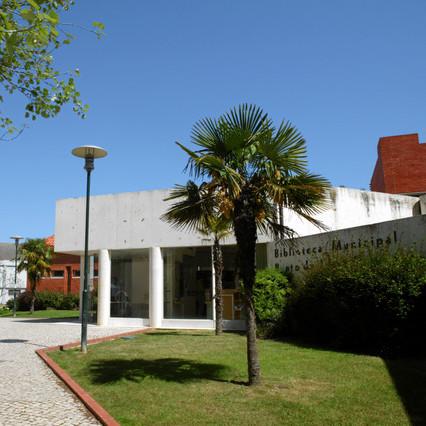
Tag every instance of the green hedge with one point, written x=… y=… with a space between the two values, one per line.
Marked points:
x=372 y=302
x=47 y=300
x=270 y=292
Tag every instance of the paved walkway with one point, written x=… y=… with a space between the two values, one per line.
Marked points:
x=30 y=394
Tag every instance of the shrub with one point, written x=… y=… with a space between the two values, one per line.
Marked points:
x=70 y=301
x=9 y=304
x=5 y=309
x=47 y=300
x=269 y=294
x=371 y=302
x=23 y=301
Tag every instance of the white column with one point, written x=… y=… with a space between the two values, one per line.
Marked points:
x=81 y=284
x=104 y=287
x=156 y=283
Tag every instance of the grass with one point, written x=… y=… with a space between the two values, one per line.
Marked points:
x=189 y=378
x=48 y=313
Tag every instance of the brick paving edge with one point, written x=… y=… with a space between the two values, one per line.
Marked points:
x=94 y=407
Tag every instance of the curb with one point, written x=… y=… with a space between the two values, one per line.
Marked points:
x=94 y=407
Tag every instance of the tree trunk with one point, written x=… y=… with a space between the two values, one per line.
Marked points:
x=33 y=296
x=218 y=271
x=246 y=235
x=32 y=302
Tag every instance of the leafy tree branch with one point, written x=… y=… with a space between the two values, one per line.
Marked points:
x=30 y=33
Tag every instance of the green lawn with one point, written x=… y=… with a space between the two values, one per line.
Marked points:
x=189 y=378
x=48 y=313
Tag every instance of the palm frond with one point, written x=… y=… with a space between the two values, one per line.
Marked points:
x=285 y=150
x=220 y=172
x=192 y=211
x=246 y=117
x=219 y=226
x=208 y=134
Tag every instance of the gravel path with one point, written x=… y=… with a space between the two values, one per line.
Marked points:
x=30 y=394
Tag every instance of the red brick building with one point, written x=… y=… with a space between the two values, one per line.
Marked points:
x=65 y=273
x=400 y=166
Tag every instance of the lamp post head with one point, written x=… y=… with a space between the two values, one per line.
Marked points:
x=89 y=153
x=16 y=238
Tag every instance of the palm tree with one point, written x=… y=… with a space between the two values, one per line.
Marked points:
x=251 y=167
x=196 y=210
x=220 y=228
x=35 y=257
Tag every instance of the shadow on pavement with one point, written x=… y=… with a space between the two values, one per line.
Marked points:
x=48 y=320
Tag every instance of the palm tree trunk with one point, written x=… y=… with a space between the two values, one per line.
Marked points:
x=246 y=235
x=33 y=296
x=281 y=218
x=218 y=271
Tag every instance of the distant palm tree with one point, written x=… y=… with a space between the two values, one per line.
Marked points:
x=195 y=210
x=250 y=167
x=35 y=257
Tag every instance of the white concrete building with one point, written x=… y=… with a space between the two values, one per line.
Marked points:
x=152 y=274
x=7 y=273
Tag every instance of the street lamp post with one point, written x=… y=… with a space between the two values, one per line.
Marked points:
x=16 y=238
x=89 y=153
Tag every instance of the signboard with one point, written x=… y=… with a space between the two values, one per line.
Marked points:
x=298 y=256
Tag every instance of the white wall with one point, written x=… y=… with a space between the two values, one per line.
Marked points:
x=132 y=220
x=352 y=207
x=7 y=279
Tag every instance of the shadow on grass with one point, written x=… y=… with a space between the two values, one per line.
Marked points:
x=167 y=369
x=409 y=378
x=321 y=347
x=177 y=333
x=183 y=333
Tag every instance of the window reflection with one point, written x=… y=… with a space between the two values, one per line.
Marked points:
x=130 y=285
x=188 y=283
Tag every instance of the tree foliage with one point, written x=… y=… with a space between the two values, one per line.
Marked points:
x=35 y=257
x=270 y=293
x=30 y=33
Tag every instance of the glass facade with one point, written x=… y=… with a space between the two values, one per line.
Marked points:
x=188 y=283
x=130 y=284
x=231 y=289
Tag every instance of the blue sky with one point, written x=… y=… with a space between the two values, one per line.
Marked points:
x=343 y=72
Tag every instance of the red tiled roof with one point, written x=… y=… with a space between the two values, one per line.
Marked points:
x=50 y=241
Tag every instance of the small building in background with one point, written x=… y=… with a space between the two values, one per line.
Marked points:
x=65 y=272
x=400 y=166
x=7 y=273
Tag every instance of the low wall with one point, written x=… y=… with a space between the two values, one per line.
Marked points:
x=408 y=232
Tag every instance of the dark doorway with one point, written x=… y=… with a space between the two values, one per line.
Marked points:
x=69 y=277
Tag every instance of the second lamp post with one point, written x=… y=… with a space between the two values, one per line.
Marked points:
x=16 y=238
